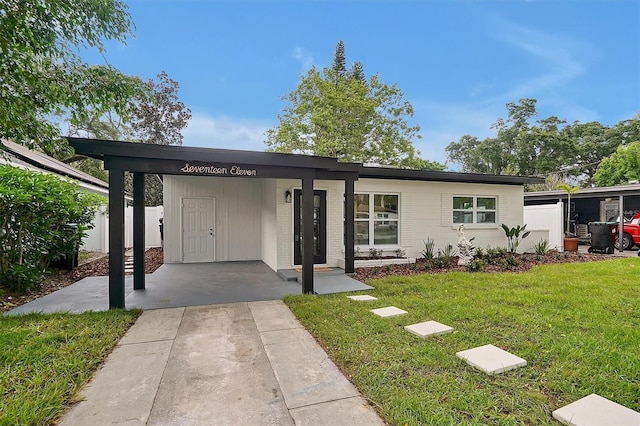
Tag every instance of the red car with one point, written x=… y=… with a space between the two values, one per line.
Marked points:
x=631 y=234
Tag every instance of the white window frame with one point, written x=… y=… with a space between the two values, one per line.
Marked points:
x=372 y=219
x=474 y=210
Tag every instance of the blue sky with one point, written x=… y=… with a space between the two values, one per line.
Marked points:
x=458 y=62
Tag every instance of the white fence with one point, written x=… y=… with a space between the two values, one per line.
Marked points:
x=543 y=219
x=97 y=239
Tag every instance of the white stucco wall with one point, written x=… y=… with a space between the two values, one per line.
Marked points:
x=238 y=222
x=425 y=212
x=253 y=220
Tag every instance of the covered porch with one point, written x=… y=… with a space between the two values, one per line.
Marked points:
x=141 y=159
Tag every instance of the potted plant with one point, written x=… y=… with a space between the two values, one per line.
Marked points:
x=570 y=242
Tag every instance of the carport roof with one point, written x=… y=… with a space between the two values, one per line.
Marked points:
x=103 y=148
x=602 y=191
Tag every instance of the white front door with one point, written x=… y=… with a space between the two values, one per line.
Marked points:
x=198 y=231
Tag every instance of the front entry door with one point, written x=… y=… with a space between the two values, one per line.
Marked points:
x=198 y=232
x=319 y=227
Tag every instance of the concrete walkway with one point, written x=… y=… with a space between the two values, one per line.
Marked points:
x=236 y=364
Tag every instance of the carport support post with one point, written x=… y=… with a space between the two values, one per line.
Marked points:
x=621 y=223
x=116 y=239
x=307 y=235
x=348 y=226
x=138 y=231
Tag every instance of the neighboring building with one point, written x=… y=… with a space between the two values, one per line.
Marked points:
x=97 y=238
x=21 y=156
x=597 y=204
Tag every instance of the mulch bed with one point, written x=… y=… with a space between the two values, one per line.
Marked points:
x=525 y=262
x=58 y=279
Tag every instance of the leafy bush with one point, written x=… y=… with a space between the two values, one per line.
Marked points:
x=509 y=262
x=446 y=255
x=492 y=255
x=35 y=211
x=399 y=252
x=514 y=236
x=429 y=249
x=476 y=265
x=375 y=253
x=541 y=247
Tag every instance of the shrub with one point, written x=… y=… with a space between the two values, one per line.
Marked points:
x=476 y=265
x=375 y=253
x=35 y=211
x=541 y=247
x=493 y=256
x=429 y=249
x=509 y=262
x=445 y=256
x=399 y=252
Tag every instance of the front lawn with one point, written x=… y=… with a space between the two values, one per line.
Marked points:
x=46 y=359
x=577 y=325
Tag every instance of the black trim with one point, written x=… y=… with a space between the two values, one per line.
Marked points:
x=441 y=176
x=320 y=233
x=116 y=239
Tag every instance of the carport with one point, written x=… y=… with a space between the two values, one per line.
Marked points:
x=141 y=159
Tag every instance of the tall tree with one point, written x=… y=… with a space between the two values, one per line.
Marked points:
x=41 y=70
x=621 y=167
x=498 y=155
x=158 y=118
x=339 y=113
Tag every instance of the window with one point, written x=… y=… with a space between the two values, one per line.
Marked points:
x=474 y=209
x=376 y=219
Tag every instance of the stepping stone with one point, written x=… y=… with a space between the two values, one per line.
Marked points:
x=428 y=328
x=390 y=311
x=596 y=410
x=362 y=298
x=491 y=360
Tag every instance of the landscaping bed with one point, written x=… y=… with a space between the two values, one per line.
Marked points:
x=57 y=279
x=522 y=263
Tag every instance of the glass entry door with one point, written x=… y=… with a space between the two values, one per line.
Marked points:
x=319 y=227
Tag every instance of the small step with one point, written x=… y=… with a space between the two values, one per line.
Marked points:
x=362 y=298
x=389 y=311
x=428 y=328
x=596 y=410
x=491 y=359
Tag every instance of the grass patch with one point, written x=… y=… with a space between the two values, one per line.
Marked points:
x=577 y=325
x=46 y=359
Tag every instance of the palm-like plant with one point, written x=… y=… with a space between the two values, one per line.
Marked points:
x=570 y=190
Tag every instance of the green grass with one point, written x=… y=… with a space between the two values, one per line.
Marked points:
x=577 y=325
x=46 y=359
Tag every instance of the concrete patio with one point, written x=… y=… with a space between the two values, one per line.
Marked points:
x=192 y=284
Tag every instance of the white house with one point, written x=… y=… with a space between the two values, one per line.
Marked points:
x=214 y=219
x=228 y=205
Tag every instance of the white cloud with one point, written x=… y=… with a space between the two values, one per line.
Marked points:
x=226 y=132
x=559 y=60
x=303 y=56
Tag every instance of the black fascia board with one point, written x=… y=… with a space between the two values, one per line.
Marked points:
x=97 y=148
x=442 y=176
x=183 y=168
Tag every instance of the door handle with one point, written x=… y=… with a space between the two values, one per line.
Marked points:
x=211 y=232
